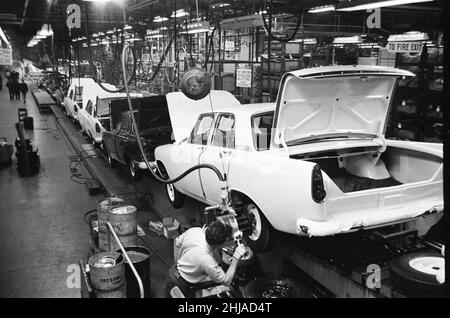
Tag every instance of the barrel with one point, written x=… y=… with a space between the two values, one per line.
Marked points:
x=107 y=275
x=140 y=257
x=103 y=210
x=123 y=221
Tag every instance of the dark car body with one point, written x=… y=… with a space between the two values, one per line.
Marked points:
x=153 y=120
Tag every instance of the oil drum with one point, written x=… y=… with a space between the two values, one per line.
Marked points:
x=123 y=220
x=103 y=210
x=140 y=257
x=107 y=275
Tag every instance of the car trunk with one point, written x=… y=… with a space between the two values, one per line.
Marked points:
x=366 y=189
x=364 y=168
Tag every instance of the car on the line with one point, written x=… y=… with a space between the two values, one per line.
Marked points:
x=160 y=119
x=315 y=163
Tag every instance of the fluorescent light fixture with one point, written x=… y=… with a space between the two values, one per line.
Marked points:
x=219 y=5
x=179 y=14
x=370 y=4
x=108 y=32
x=347 y=39
x=322 y=9
x=127 y=27
x=306 y=41
x=160 y=19
x=408 y=36
x=198 y=27
x=154 y=34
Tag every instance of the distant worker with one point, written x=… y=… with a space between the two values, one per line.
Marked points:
x=195 y=262
x=10 y=87
x=23 y=87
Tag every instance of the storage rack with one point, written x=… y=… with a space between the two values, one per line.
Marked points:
x=416 y=112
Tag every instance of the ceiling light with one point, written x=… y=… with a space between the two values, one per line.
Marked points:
x=347 y=39
x=408 y=36
x=219 y=5
x=127 y=27
x=322 y=9
x=160 y=19
x=179 y=14
x=198 y=27
x=370 y=4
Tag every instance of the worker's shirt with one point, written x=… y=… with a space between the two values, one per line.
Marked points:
x=196 y=262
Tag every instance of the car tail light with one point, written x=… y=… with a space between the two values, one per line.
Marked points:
x=317 y=189
x=97 y=128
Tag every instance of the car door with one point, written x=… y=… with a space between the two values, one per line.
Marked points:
x=218 y=154
x=187 y=154
x=68 y=101
x=93 y=120
x=87 y=117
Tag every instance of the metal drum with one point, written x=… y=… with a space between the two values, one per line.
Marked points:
x=107 y=275
x=123 y=220
x=103 y=210
x=140 y=257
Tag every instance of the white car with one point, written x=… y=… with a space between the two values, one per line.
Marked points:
x=316 y=163
x=78 y=94
x=94 y=118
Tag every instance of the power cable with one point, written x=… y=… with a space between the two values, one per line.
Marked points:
x=139 y=140
x=269 y=28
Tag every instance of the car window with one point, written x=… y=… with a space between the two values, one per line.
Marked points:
x=79 y=96
x=262 y=130
x=224 y=132
x=89 y=108
x=201 y=131
x=71 y=94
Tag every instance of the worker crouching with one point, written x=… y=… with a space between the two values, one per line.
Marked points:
x=195 y=262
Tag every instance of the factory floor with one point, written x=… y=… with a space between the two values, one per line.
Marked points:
x=42 y=231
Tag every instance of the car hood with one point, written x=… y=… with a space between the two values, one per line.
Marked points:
x=341 y=101
x=184 y=111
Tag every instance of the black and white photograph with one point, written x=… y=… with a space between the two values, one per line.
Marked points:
x=242 y=153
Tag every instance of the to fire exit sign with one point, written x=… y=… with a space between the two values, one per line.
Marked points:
x=405 y=47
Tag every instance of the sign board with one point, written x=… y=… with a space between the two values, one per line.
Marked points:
x=404 y=47
x=243 y=77
x=229 y=45
x=6 y=56
x=145 y=58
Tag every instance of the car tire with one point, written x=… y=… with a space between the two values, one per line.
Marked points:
x=274 y=287
x=414 y=274
x=134 y=172
x=175 y=197
x=111 y=162
x=261 y=238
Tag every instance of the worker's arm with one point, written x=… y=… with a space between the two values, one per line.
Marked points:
x=217 y=274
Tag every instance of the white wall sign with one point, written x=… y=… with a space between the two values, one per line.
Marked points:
x=374 y=20
x=404 y=47
x=6 y=56
x=243 y=77
x=74 y=16
x=145 y=58
x=229 y=45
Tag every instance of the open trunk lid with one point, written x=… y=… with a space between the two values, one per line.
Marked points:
x=340 y=102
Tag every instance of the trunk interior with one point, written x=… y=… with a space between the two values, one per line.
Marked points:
x=358 y=169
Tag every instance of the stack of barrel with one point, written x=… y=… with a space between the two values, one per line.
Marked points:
x=123 y=219
x=106 y=275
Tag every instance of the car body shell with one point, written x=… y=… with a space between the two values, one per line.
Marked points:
x=281 y=186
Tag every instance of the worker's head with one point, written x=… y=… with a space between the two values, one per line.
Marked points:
x=217 y=233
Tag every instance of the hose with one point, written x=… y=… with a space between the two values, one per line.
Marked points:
x=269 y=29
x=138 y=136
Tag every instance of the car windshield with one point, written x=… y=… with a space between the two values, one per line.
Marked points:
x=103 y=106
x=330 y=137
x=153 y=118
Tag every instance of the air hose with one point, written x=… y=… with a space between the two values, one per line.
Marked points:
x=138 y=136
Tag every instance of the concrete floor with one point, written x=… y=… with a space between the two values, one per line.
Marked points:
x=42 y=230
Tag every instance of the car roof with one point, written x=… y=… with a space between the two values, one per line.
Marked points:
x=249 y=109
